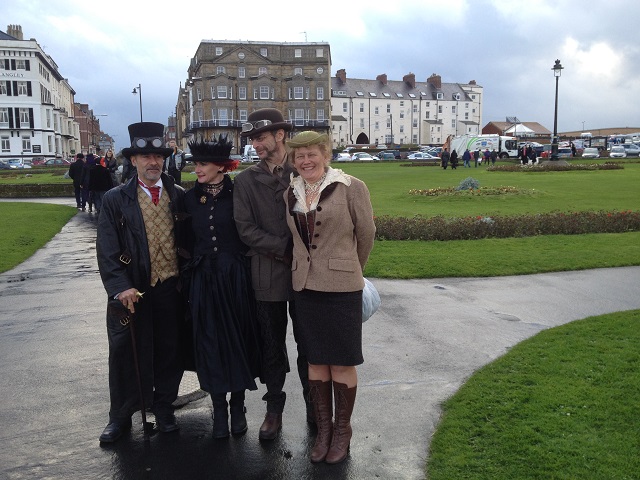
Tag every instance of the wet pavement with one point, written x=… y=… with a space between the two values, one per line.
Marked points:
x=427 y=338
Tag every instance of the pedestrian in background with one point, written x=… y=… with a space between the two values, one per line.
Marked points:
x=110 y=163
x=494 y=156
x=466 y=158
x=99 y=182
x=226 y=333
x=174 y=163
x=261 y=218
x=454 y=159
x=331 y=221
x=444 y=158
x=138 y=240
x=477 y=155
x=75 y=173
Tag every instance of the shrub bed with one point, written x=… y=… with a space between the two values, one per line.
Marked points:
x=552 y=167
x=476 y=227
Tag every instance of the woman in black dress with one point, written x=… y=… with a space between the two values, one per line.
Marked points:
x=226 y=337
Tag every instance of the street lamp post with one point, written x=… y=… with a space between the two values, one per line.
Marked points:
x=557 y=71
x=138 y=90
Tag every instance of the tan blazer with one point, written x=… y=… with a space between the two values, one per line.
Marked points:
x=343 y=238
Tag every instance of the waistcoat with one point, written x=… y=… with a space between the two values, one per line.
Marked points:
x=158 y=223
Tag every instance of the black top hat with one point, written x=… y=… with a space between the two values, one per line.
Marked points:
x=213 y=151
x=264 y=120
x=146 y=137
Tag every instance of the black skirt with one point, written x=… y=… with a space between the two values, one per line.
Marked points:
x=226 y=334
x=329 y=325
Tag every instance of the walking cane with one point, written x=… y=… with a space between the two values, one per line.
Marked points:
x=130 y=320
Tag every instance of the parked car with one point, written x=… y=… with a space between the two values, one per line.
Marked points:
x=387 y=156
x=4 y=165
x=362 y=157
x=17 y=163
x=57 y=162
x=38 y=161
x=617 y=151
x=395 y=153
x=632 y=149
x=342 y=157
x=422 y=156
x=590 y=152
x=564 y=152
x=236 y=157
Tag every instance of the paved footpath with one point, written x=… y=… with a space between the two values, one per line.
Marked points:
x=427 y=338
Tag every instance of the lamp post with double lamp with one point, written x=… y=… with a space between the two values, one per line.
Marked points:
x=138 y=90
x=557 y=71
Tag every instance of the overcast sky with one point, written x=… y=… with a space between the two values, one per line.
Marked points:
x=508 y=47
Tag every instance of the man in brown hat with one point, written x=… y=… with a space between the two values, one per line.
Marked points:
x=260 y=215
x=137 y=247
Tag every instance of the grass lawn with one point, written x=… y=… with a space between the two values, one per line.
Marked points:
x=27 y=227
x=560 y=405
x=33 y=176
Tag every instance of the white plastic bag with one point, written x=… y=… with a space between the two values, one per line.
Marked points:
x=370 y=300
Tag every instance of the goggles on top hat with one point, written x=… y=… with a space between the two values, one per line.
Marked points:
x=142 y=142
x=247 y=127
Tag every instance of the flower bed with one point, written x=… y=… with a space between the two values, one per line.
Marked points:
x=476 y=227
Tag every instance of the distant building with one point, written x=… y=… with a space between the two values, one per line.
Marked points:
x=228 y=80
x=36 y=102
x=393 y=112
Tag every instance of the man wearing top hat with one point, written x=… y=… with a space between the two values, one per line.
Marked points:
x=138 y=240
x=260 y=216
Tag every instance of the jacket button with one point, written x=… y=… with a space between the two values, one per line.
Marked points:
x=314 y=246
x=319 y=208
x=318 y=223
x=316 y=235
x=211 y=227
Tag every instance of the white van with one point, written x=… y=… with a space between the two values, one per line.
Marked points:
x=249 y=154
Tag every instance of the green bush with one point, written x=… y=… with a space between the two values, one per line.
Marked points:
x=468 y=183
x=497 y=226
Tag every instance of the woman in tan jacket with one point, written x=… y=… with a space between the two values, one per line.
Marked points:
x=331 y=220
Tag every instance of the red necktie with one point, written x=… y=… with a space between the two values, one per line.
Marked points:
x=155 y=194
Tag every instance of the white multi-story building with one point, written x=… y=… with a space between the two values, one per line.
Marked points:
x=402 y=112
x=36 y=102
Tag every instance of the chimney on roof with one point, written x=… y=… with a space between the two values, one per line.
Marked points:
x=382 y=78
x=410 y=79
x=15 y=31
x=342 y=76
x=435 y=80
x=472 y=82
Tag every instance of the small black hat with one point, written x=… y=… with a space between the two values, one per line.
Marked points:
x=263 y=120
x=213 y=151
x=146 y=137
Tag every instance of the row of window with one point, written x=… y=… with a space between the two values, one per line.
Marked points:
x=15 y=88
x=439 y=95
x=376 y=109
x=264 y=51
x=5 y=143
x=15 y=64
x=263 y=92
x=16 y=117
x=223 y=115
x=242 y=71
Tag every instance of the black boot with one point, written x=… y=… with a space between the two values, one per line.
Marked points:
x=220 y=415
x=238 y=410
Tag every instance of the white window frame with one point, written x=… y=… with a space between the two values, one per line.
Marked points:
x=264 y=52
x=221 y=91
x=242 y=92
x=320 y=114
x=5 y=143
x=319 y=52
x=26 y=143
x=242 y=72
x=22 y=89
x=298 y=93
x=223 y=117
x=4 y=116
x=243 y=115
x=264 y=92
x=299 y=117
x=262 y=71
x=319 y=93
x=218 y=51
x=297 y=71
x=297 y=53
x=3 y=87
x=220 y=69
x=24 y=117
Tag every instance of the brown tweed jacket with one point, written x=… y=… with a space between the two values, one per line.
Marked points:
x=343 y=237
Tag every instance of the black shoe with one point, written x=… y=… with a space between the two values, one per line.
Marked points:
x=114 y=430
x=166 y=423
x=238 y=419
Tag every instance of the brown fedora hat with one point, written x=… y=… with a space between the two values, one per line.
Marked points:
x=263 y=120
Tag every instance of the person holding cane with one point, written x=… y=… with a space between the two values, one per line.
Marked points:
x=138 y=247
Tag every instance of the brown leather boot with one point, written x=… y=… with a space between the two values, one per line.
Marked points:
x=320 y=393
x=344 y=398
